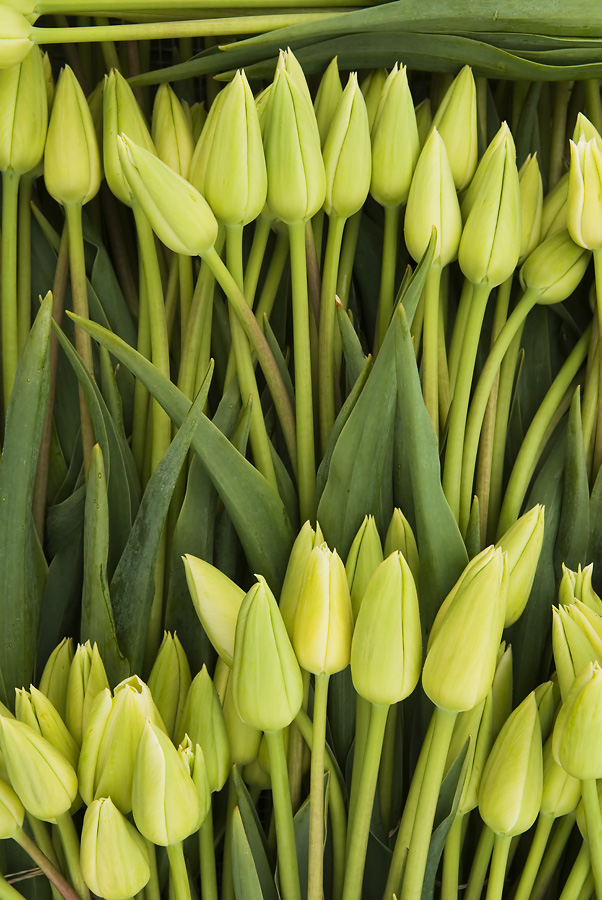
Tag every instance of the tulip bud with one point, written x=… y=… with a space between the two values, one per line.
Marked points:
x=267 y=682
x=572 y=649
x=16 y=37
x=554 y=209
x=555 y=268
x=36 y=710
x=578 y=726
x=195 y=760
x=203 y=721
x=501 y=689
x=531 y=205
x=165 y=803
x=169 y=681
x=463 y=644
x=87 y=678
x=474 y=188
x=490 y=242
x=178 y=214
x=372 y=87
x=584 y=218
x=456 y=122
x=24 y=120
x=327 y=99
x=347 y=157
x=432 y=201
x=171 y=131
x=522 y=542
x=55 y=676
x=11 y=812
x=395 y=144
x=323 y=623
x=121 y=114
x=305 y=542
x=585 y=128
x=365 y=555
x=512 y=783
x=578 y=586
x=74 y=177
x=561 y=792
x=114 y=856
x=198 y=163
x=401 y=537
x=42 y=778
x=95 y=104
x=243 y=739
x=198 y=117
x=216 y=600
x=386 y=650
x=424 y=120
x=296 y=178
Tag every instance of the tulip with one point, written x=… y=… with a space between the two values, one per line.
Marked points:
x=16 y=37
x=522 y=542
x=24 y=121
x=584 y=219
x=347 y=156
x=501 y=688
x=36 y=710
x=327 y=99
x=585 y=128
x=198 y=163
x=195 y=761
x=114 y=856
x=395 y=145
x=578 y=585
x=217 y=601
x=456 y=122
x=171 y=131
x=424 y=119
x=531 y=205
x=305 y=542
x=372 y=87
x=572 y=649
x=364 y=557
x=12 y=812
x=87 y=678
x=561 y=792
x=121 y=113
x=243 y=739
x=203 y=721
x=578 y=726
x=554 y=268
x=400 y=537
x=55 y=676
x=169 y=681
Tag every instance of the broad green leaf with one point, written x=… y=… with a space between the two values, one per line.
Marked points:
x=257 y=512
x=573 y=530
x=354 y=355
x=256 y=838
x=244 y=872
x=20 y=596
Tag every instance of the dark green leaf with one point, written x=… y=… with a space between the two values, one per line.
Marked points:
x=246 y=880
x=573 y=530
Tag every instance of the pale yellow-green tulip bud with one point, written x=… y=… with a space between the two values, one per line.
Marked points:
x=44 y=781
x=589 y=622
x=216 y=600
x=400 y=537
x=198 y=163
x=463 y=644
x=477 y=725
x=195 y=760
x=555 y=268
x=490 y=242
x=24 y=120
x=578 y=586
x=323 y=624
x=165 y=803
x=584 y=215
x=365 y=555
x=347 y=155
x=424 y=120
x=171 y=131
x=501 y=689
x=169 y=681
x=267 y=682
x=121 y=114
x=585 y=128
x=48 y=78
x=522 y=542
x=512 y=782
x=296 y=177
x=305 y=542
x=386 y=650
x=203 y=721
x=555 y=207
x=456 y=122
x=261 y=104
x=95 y=105
x=73 y=177
x=395 y=144
x=547 y=696
x=55 y=675
x=531 y=206
x=572 y=649
x=235 y=174
x=432 y=201
x=327 y=99
x=178 y=214
x=113 y=855
x=256 y=773
x=15 y=37
x=35 y=709
x=12 y=812
x=371 y=87
x=561 y=792
x=87 y=678
x=580 y=818
x=198 y=117
x=578 y=727
x=474 y=188
x=243 y=739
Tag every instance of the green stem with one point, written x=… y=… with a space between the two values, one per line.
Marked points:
x=529 y=452
x=363 y=709
x=480 y=864
x=178 y=872
x=110 y=7
x=227 y=892
x=536 y=852
x=326 y=370
x=481 y=397
x=152 y=890
x=10 y=341
x=589 y=405
x=348 y=249
x=296 y=751
x=315 y=871
x=457 y=339
x=459 y=407
x=200 y=309
x=186 y=281
x=499 y=860
x=593 y=820
x=24 y=261
x=386 y=296
x=425 y=813
x=273 y=278
x=555 y=849
x=578 y=875
x=263 y=226
x=430 y=346
x=141 y=394
x=207 y=857
x=7 y=891
x=283 y=815
x=451 y=860
x=306 y=472
x=388 y=764
x=70 y=842
x=42 y=862
x=360 y=822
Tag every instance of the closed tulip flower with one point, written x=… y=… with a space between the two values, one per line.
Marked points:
x=584 y=217
x=531 y=205
x=578 y=586
x=364 y=557
x=305 y=542
x=169 y=681
x=203 y=721
x=34 y=708
x=16 y=37
x=243 y=739
x=347 y=155
x=395 y=145
x=578 y=726
x=87 y=678
x=327 y=99
x=456 y=122
x=522 y=542
x=24 y=121
x=555 y=268
x=217 y=601
x=400 y=537
x=554 y=208
x=55 y=676
x=572 y=647
x=114 y=856
x=171 y=131
x=12 y=812
x=121 y=114
x=561 y=792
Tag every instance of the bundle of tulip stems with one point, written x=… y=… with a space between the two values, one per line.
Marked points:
x=301 y=519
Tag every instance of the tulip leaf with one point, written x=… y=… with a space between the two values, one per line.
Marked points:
x=255 y=837
x=441 y=549
x=573 y=531
x=21 y=596
x=257 y=512
x=132 y=585
x=355 y=358
x=246 y=880
x=594 y=551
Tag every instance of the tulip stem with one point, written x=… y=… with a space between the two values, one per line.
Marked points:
x=554 y=851
x=579 y=875
x=152 y=890
x=207 y=857
x=7 y=891
x=326 y=358
x=388 y=764
x=430 y=346
x=283 y=816
x=499 y=861
x=457 y=338
x=427 y=803
x=42 y=862
x=362 y=723
x=451 y=860
x=10 y=342
x=24 y=261
x=178 y=871
x=536 y=852
x=70 y=842
x=360 y=823
x=272 y=278
x=388 y=266
x=263 y=226
x=315 y=870
x=480 y=864
x=593 y=821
